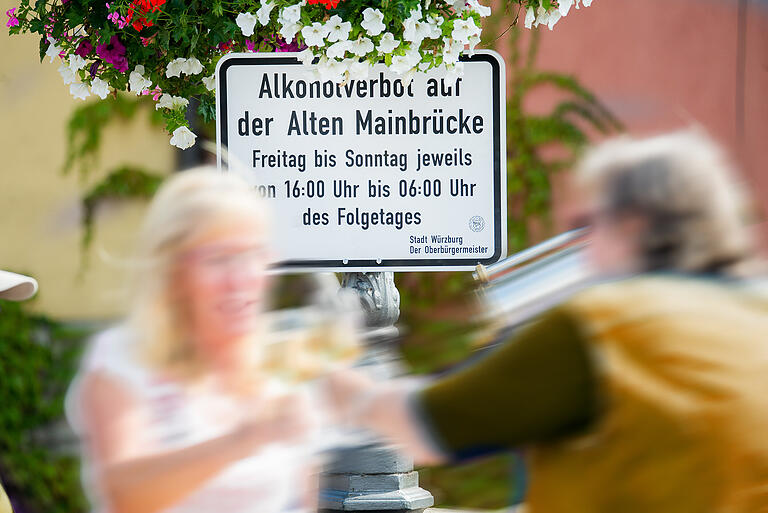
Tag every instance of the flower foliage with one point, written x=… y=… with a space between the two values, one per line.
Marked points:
x=168 y=49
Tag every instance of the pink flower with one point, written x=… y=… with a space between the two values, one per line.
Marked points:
x=115 y=18
x=13 y=21
x=156 y=93
x=145 y=40
x=250 y=45
x=118 y=20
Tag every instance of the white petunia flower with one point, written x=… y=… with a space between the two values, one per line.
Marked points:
x=192 y=66
x=67 y=74
x=372 y=21
x=168 y=101
x=387 y=43
x=357 y=69
x=53 y=50
x=210 y=82
x=414 y=29
x=451 y=51
x=76 y=62
x=79 y=90
x=331 y=69
x=564 y=7
x=400 y=64
x=361 y=47
x=473 y=42
x=338 y=30
x=306 y=57
x=175 y=67
x=291 y=14
x=454 y=70
x=315 y=34
x=530 y=17
x=246 y=21
x=480 y=9
x=137 y=81
x=289 y=31
x=100 y=88
x=459 y=6
x=435 y=24
x=265 y=11
x=464 y=29
x=407 y=77
x=413 y=55
x=338 y=49
x=587 y=3
x=183 y=138
x=554 y=17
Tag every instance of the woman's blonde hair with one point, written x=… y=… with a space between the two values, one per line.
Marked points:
x=684 y=187
x=187 y=205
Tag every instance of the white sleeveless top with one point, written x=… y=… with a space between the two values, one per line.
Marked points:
x=268 y=481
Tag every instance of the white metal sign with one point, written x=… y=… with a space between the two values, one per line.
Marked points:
x=372 y=174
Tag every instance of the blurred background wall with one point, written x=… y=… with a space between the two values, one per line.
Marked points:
x=40 y=230
x=666 y=64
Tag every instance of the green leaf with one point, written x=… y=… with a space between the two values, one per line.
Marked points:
x=126 y=182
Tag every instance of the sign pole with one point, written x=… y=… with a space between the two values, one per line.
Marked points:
x=374 y=477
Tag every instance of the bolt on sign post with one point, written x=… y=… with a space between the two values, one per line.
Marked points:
x=373 y=174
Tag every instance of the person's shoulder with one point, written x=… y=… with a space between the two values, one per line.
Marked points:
x=646 y=295
x=108 y=344
x=114 y=352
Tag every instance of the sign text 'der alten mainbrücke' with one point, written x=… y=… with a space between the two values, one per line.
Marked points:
x=373 y=173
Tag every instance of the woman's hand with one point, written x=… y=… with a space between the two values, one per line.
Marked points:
x=283 y=419
x=348 y=392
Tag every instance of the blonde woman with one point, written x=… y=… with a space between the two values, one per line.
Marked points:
x=174 y=413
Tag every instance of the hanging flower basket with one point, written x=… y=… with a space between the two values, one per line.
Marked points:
x=169 y=48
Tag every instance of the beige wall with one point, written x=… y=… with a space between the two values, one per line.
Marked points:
x=40 y=217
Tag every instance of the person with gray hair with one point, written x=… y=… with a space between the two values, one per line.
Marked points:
x=14 y=287
x=645 y=391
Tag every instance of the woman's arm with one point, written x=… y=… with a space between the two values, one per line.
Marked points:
x=383 y=407
x=539 y=385
x=145 y=484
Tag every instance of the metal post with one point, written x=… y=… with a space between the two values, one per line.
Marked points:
x=374 y=477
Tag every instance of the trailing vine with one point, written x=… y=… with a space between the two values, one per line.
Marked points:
x=123 y=183
x=87 y=122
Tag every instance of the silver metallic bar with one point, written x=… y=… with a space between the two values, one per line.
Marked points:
x=486 y=274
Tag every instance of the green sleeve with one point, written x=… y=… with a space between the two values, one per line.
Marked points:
x=539 y=385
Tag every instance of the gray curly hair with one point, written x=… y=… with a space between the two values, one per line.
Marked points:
x=682 y=184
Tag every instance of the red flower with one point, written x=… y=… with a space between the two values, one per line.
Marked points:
x=329 y=4
x=140 y=9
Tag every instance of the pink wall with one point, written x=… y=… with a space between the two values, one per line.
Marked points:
x=664 y=64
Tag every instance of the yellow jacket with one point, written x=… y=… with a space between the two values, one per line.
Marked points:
x=684 y=426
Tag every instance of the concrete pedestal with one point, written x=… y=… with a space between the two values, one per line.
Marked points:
x=375 y=478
